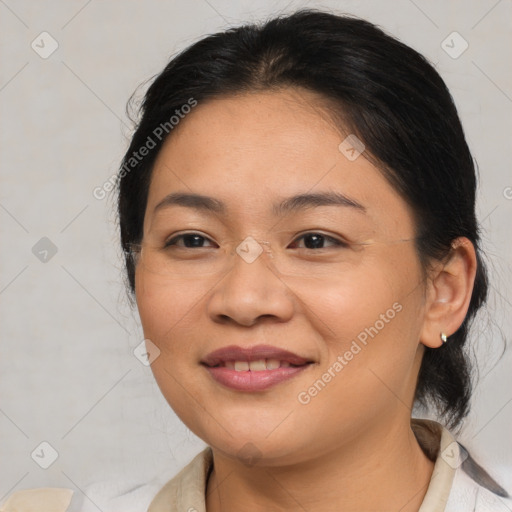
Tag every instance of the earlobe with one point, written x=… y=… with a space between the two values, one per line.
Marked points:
x=449 y=294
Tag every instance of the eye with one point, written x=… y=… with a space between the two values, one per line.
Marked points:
x=316 y=241
x=312 y=240
x=190 y=240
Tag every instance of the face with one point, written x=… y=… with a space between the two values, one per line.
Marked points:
x=336 y=283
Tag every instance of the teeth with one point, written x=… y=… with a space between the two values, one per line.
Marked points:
x=273 y=364
x=241 y=366
x=256 y=366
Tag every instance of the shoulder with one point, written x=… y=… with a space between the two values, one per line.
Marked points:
x=44 y=499
x=458 y=483
x=473 y=487
x=469 y=494
x=109 y=495
x=113 y=495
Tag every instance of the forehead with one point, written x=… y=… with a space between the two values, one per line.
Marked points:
x=251 y=149
x=286 y=118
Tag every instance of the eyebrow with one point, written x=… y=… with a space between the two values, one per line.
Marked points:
x=286 y=206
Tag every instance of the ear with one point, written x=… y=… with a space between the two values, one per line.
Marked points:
x=449 y=290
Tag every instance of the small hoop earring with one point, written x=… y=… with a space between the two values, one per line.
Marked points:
x=444 y=337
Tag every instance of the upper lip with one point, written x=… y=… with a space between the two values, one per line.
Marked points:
x=236 y=353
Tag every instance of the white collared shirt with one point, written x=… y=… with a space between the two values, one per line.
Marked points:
x=454 y=485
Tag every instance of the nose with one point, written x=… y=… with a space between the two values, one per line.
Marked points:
x=249 y=292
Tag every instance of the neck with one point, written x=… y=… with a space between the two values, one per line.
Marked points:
x=375 y=472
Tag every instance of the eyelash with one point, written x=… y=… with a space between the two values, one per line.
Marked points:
x=337 y=242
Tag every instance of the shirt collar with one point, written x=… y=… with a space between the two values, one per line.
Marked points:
x=441 y=447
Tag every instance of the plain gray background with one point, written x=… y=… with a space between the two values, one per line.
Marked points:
x=68 y=373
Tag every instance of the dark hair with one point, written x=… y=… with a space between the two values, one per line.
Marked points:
x=382 y=91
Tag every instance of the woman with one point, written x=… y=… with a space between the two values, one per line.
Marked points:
x=297 y=210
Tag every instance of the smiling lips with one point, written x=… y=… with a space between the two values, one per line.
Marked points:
x=253 y=369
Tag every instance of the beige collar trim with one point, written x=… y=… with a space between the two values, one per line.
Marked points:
x=44 y=499
x=442 y=448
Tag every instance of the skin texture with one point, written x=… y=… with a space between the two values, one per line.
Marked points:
x=351 y=447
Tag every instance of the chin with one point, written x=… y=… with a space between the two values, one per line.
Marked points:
x=257 y=448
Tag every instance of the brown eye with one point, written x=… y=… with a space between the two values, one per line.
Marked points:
x=190 y=240
x=316 y=241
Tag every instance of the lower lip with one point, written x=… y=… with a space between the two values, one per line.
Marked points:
x=253 y=381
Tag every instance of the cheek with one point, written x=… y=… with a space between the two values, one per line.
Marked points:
x=169 y=311
x=369 y=320
x=166 y=305
x=351 y=301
